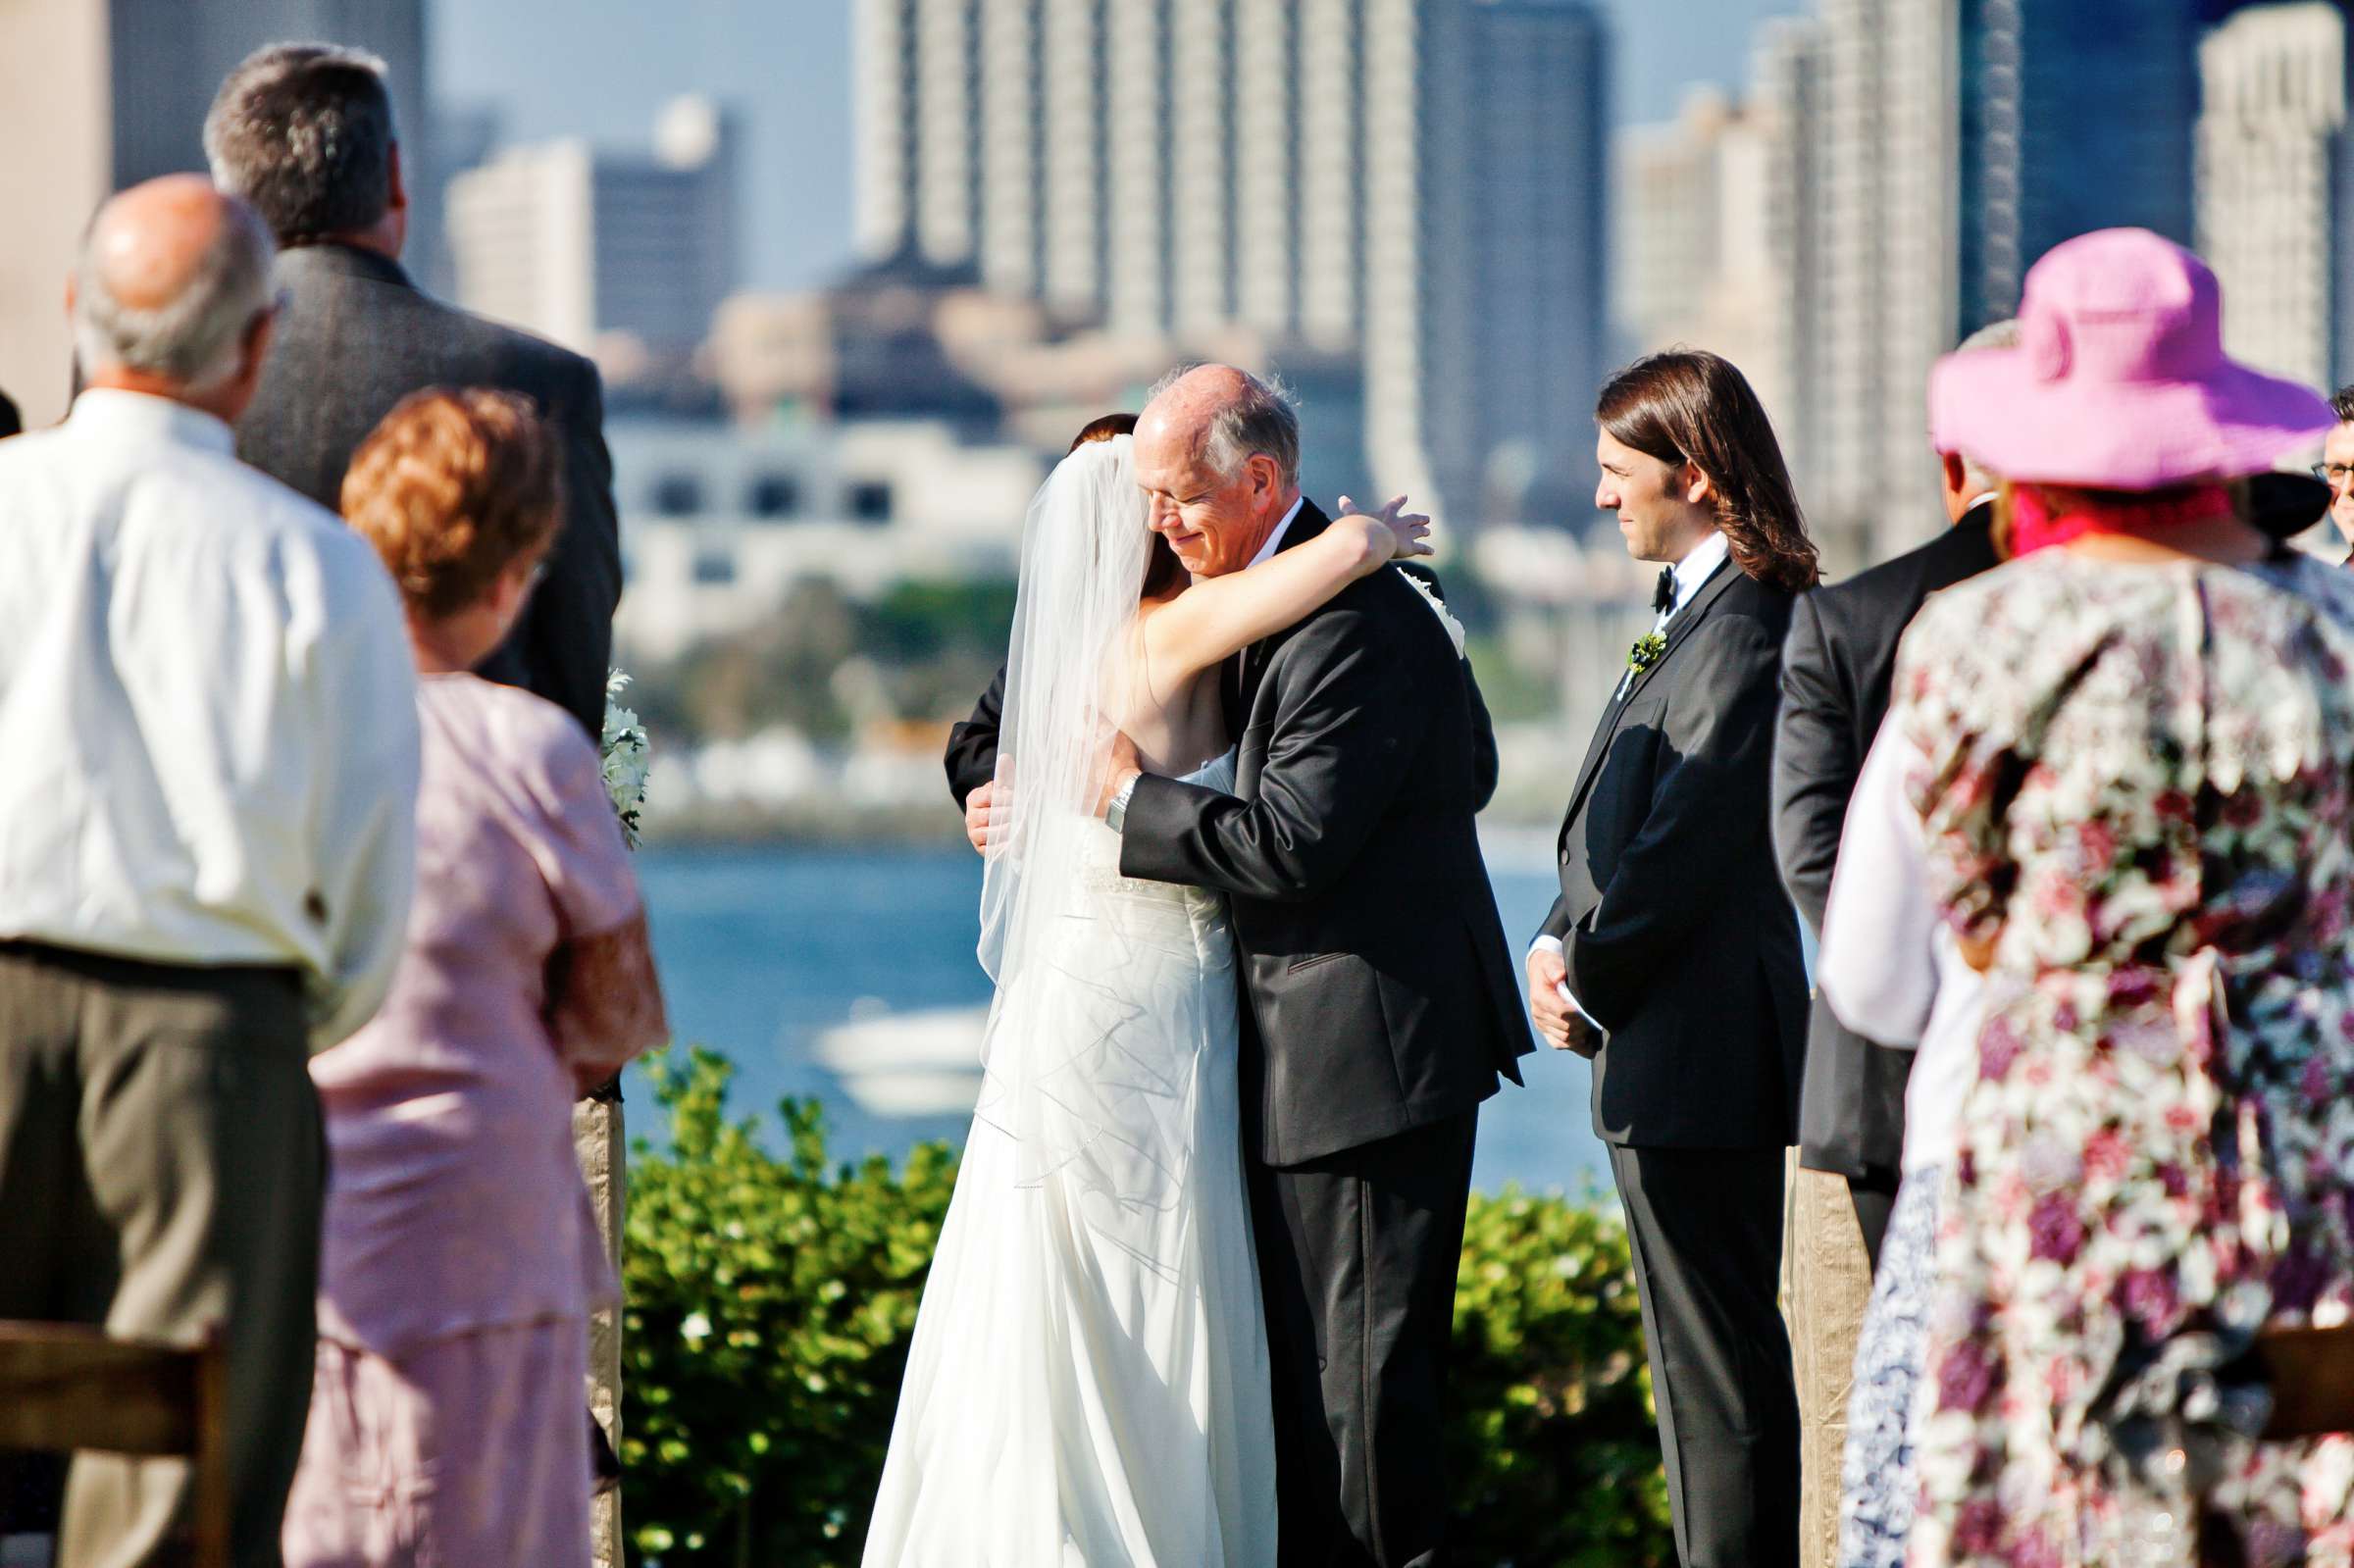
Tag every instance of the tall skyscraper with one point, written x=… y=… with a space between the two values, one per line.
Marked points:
x=2075 y=114
x=1700 y=228
x=594 y=248
x=113 y=92
x=2275 y=188
x=1419 y=182
x=1954 y=143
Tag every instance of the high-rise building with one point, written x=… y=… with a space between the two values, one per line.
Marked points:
x=113 y=92
x=1417 y=182
x=1954 y=143
x=2275 y=188
x=607 y=253
x=1492 y=263
x=1699 y=229
x=2075 y=115
x=1785 y=92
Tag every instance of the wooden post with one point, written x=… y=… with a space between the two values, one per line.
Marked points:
x=1827 y=1280
x=601 y=1146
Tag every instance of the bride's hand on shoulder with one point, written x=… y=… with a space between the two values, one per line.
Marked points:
x=1391 y=534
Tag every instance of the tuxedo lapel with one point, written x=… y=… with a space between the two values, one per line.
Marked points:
x=1595 y=749
x=1679 y=627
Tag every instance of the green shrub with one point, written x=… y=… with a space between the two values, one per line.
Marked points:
x=771 y=1298
x=1552 y=1453
x=770 y=1303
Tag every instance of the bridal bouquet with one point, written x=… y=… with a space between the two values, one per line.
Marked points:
x=626 y=752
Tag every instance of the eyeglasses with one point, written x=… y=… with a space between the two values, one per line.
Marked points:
x=2335 y=475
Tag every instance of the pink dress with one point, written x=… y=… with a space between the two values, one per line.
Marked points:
x=460 y=1257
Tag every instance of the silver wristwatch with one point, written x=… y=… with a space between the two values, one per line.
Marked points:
x=1115 y=817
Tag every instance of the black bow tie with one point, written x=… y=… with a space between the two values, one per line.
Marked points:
x=1662 y=598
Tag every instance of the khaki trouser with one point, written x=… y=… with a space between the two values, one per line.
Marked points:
x=162 y=1172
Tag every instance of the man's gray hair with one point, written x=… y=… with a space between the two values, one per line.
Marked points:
x=195 y=337
x=1994 y=334
x=1263 y=421
x=304 y=132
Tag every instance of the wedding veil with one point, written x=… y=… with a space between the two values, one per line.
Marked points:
x=1067 y=992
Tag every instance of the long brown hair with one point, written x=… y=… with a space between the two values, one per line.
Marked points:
x=1163 y=572
x=1691 y=406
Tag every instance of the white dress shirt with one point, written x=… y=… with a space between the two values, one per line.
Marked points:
x=210 y=708
x=1889 y=965
x=1691 y=572
x=1274 y=541
x=1695 y=569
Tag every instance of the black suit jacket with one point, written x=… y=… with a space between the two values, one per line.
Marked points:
x=972 y=755
x=356 y=336
x=1837 y=670
x=1375 y=962
x=1679 y=939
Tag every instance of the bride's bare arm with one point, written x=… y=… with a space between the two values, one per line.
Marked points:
x=1219 y=617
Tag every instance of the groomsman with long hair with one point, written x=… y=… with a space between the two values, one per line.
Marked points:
x=1671 y=957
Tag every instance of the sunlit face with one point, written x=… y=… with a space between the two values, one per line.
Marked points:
x=1662 y=507
x=2337 y=460
x=1215 y=522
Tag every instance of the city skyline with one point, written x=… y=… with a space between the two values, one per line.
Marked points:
x=602 y=69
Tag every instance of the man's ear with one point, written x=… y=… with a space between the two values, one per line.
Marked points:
x=396 y=187
x=1956 y=476
x=1697 y=487
x=1266 y=478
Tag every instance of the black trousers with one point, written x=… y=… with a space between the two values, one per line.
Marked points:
x=1706 y=1229
x=1356 y=1257
x=1874 y=1197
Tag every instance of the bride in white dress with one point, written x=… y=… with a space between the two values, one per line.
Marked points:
x=1087 y=1384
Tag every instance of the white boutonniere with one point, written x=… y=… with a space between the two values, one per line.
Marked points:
x=626 y=752
x=1438 y=607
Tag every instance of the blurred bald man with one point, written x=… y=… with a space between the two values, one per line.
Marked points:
x=206 y=849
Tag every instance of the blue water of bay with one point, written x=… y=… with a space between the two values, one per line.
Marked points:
x=848 y=974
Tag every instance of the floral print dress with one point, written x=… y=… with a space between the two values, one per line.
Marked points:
x=2138 y=787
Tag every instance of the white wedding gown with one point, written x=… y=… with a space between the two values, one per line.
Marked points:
x=1087 y=1384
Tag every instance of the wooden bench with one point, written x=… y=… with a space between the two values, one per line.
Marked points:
x=63 y=1388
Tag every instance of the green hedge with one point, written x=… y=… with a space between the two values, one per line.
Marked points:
x=771 y=1298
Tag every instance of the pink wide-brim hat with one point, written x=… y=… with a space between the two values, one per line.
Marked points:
x=2120 y=380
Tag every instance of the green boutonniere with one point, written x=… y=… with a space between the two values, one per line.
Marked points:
x=1647 y=651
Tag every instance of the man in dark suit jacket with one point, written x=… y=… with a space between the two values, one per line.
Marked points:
x=1377 y=986
x=1379 y=991
x=305 y=133
x=1836 y=669
x=1671 y=957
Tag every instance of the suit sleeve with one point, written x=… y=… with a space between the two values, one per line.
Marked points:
x=564 y=647
x=1815 y=764
x=1484 y=763
x=972 y=755
x=1346 y=726
x=1717 y=756
x=1556 y=920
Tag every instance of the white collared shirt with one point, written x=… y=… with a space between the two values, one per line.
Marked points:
x=1276 y=539
x=1889 y=966
x=1697 y=565
x=211 y=710
x=1696 y=568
